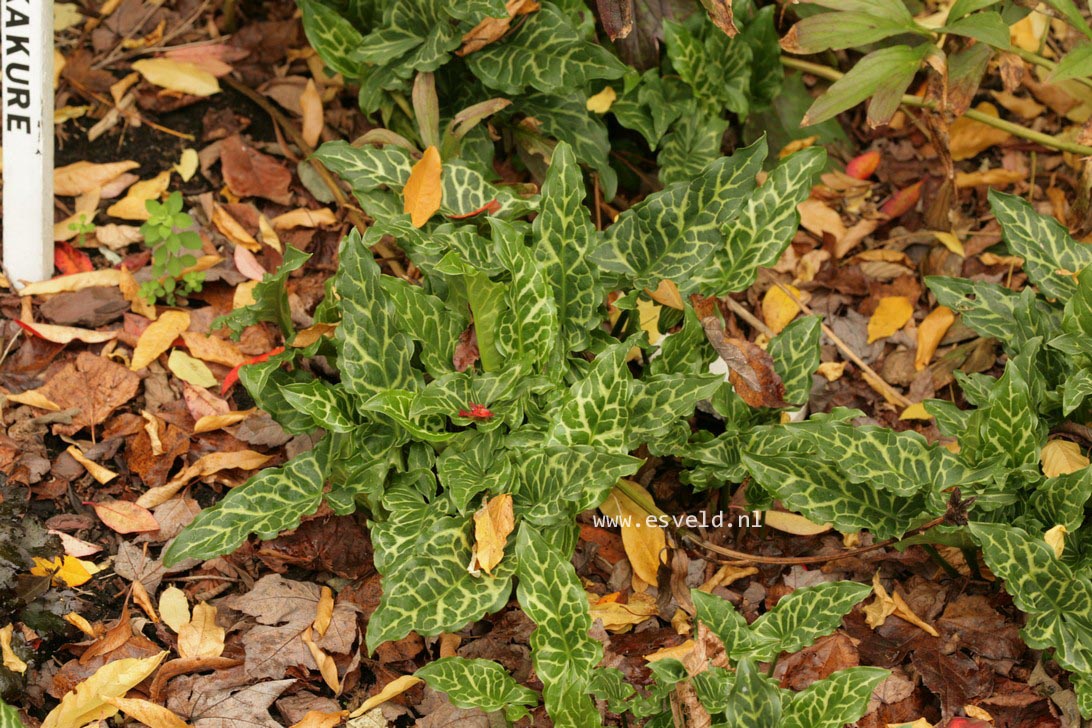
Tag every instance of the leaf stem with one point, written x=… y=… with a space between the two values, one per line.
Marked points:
x=1038 y=60
x=1016 y=130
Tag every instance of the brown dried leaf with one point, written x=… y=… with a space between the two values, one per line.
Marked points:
x=751 y=369
x=249 y=173
x=92 y=384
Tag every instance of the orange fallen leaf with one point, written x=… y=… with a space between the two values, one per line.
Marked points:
x=863 y=165
x=158 y=337
x=621 y=618
x=319 y=719
x=326 y=665
x=304 y=217
x=424 y=190
x=212 y=349
x=311 y=105
x=125 y=516
x=890 y=315
x=794 y=523
x=209 y=423
x=324 y=612
x=779 y=308
x=902 y=201
x=930 y=331
x=232 y=229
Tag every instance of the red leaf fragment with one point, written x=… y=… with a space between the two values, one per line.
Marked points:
x=902 y=201
x=233 y=376
x=477 y=412
x=863 y=165
x=490 y=208
x=69 y=260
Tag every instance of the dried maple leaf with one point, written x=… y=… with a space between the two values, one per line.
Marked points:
x=92 y=384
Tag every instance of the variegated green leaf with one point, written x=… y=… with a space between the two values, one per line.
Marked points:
x=266 y=382
x=563 y=652
x=764 y=227
x=527 y=328
x=405 y=515
x=658 y=402
x=472 y=465
x=481 y=684
x=820 y=492
x=1061 y=500
x=359 y=463
x=1077 y=318
x=430 y=591
x=556 y=483
x=326 y=404
x=424 y=318
x=374 y=355
x=9 y=716
x=693 y=140
x=1057 y=600
x=1008 y=427
x=715 y=67
x=596 y=411
x=567 y=119
x=609 y=684
x=333 y=37
x=725 y=621
x=270 y=299
x=713 y=687
x=1076 y=388
x=795 y=352
x=833 y=701
x=804 y=616
x=272 y=501
x=686 y=351
x=563 y=235
x=995 y=311
x=1082 y=684
x=1051 y=257
x=671 y=233
x=397 y=404
x=547 y=54
x=754 y=700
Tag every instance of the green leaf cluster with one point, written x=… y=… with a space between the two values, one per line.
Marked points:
x=173 y=243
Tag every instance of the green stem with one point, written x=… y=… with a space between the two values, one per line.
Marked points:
x=1016 y=130
x=1038 y=60
x=941 y=561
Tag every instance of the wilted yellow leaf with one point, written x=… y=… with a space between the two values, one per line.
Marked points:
x=667 y=294
x=213 y=349
x=968 y=138
x=68 y=334
x=130 y=289
x=208 y=423
x=648 y=314
x=11 y=660
x=725 y=575
x=304 y=217
x=178 y=76
x=493 y=523
x=424 y=189
x=244 y=295
x=314 y=332
x=144 y=600
x=205 y=466
x=325 y=611
x=187 y=164
x=392 y=689
x=81 y=624
x=885 y=605
x=326 y=665
x=919 y=723
x=916 y=411
x=318 y=719
x=74 y=282
x=148 y=713
x=794 y=523
x=1055 y=539
x=989 y=178
x=678 y=652
x=158 y=337
x=98 y=472
x=311 y=105
x=201 y=636
x=890 y=315
x=87 y=702
x=601 y=102
x=642 y=536
x=1060 y=457
x=268 y=234
x=34 y=398
x=621 y=618
x=174 y=608
x=232 y=229
x=80 y=177
x=832 y=370
x=951 y=242
x=69 y=570
x=132 y=207
x=779 y=308
x=930 y=332
x=973 y=711
x=125 y=516
x=191 y=370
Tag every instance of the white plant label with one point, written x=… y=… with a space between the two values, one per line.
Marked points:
x=26 y=38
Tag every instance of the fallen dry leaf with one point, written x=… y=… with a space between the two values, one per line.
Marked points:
x=201 y=636
x=74 y=282
x=232 y=229
x=132 y=206
x=319 y=719
x=324 y=612
x=174 y=608
x=212 y=349
x=303 y=217
x=779 y=308
x=391 y=690
x=491 y=29
x=69 y=570
x=884 y=605
x=247 y=264
x=969 y=138
x=493 y=523
x=179 y=76
x=1055 y=539
x=210 y=423
x=125 y=516
x=794 y=523
x=915 y=411
x=80 y=177
x=74 y=546
x=10 y=660
x=92 y=384
x=189 y=369
x=88 y=702
x=311 y=105
x=205 y=466
x=66 y=334
x=158 y=337
x=750 y=368
x=33 y=398
x=1061 y=457
x=98 y=472
x=930 y=331
x=642 y=538
x=863 y=165
x=621 y=618
x=148 y=713
x=326 y=665
x=891 y=314
x=249 y=173
x=424 y=189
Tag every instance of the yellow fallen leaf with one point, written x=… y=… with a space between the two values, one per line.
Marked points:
x=324 y=612
x=601 y=102
x=244 y=295
x=132 y=206
x=678 y=652
x=205 y=466
x=158 y=337
x=179 y=76
x=314 y=332
x=930 y=332
x=232 y=229
x=268 y=234
x=208 y=423
x=726 y=575
x=11 y=660
x=989 y=178
x=326 y=665
x=621 y=618
x=34 y=398
x=1060 y=457
x=120 y=88
x=667 y=294
x=98 y=472
x=832 y=370
x=81 y=624
x=1055 y=539
x=642 y=535
x=148 y=713
x=890 y=315
x=80 y=177
x=187 y=165
x=69 y=570
x=493 y=523
x=144 y=600
x=648 y=313
x=319 y=719
x=304 y=217
x=885 y=605
x=201 y=636
x=1022 y=105
x=68 y=334
x=794 y=523
x=951 y=242
x=174 y=608
x=392 y=690
x=968 y=138
x=424 y=189
x=68 y=113
x=779 y=308
x=130 y=290
x=1027 y=33
x=311 y=106
x=191 y=370
x=1014 y=261
x=87 y=702
x=74 y=282
x=973 y=711
x=916 y=411
x=65 y=15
